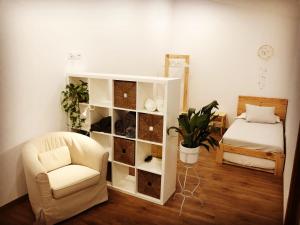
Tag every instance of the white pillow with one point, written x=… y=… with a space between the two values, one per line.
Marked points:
x=55 y=158
x=260 y=114
x=243 y=116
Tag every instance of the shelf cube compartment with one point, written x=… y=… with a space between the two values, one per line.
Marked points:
x=152 y=91
x=124 y=151
x=123 y=177
x=77 y=80
x=100 y=92
x=84 y=113
x=146 y=150
x=125 y=94
x=149 y=184
x=100 y=119
x=124 y=123
x=105 y=141
x=150 y=127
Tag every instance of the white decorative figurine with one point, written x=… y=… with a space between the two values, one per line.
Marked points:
x=150 y=105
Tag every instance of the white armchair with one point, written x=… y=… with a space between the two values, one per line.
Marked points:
x=65 y=175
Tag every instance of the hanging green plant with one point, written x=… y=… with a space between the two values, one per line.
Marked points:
x=71 y=97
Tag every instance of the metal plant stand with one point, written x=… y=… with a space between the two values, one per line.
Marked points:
x=185 y=193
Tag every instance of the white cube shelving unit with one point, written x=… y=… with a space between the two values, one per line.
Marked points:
x=154 y=180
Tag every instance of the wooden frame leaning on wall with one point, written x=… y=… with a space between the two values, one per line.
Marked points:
x=278 y=157
x=184 y=76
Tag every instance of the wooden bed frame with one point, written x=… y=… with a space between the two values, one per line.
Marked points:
x=278 y=157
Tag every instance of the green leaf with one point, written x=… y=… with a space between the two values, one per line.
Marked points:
x=195 y=127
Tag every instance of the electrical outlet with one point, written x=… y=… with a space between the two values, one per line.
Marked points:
x=74 y=55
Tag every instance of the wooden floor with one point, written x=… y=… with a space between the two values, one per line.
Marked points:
x=231 y=195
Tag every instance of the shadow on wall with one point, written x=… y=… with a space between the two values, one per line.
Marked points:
x=12 y=175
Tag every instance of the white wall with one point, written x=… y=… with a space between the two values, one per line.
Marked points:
x=222 y=37
x=292 y=125
x=113 y=36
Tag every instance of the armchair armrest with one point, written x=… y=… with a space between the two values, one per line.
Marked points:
x=86 y=151
x=30 y=160
x=36 y=176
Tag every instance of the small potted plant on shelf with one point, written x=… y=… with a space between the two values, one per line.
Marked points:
x=71 y=97
x=195 y=129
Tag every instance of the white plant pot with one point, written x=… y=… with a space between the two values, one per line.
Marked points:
x=189 y=155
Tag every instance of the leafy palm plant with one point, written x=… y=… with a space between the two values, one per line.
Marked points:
x=71 y=97
x=195 y=127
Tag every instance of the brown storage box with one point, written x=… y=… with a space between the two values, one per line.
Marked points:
x=150 y=127
x=149 y=183
x=124 y=151
x=125 y=94
x=108 y=175
x=156 y=151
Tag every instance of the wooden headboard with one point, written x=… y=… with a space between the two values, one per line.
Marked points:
x=280 y=104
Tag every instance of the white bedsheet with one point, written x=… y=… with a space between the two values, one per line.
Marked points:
x=262 y=136
x=265 y=137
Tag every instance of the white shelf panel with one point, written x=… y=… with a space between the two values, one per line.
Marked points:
x=124 y=109
x=120 y=136
x=149 y=142
x=152 y=113
x=106 y=104
x=150 y=79
x=154 y=166
x=123 y=164
x=101 y=133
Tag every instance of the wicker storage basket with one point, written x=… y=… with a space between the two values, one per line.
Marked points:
x=124 y=151
x=156 y=151
x=125 y=94
x=149 y=183
x=150 y=127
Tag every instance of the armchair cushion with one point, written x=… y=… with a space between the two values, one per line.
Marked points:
x=70 y=179
x=55 y=158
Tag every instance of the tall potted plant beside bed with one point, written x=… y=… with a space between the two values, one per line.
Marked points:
x=195 y=130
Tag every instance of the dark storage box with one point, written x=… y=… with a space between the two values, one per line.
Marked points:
x=150 y=127
x=125 y=94
x=124 y=151
x=149 y=183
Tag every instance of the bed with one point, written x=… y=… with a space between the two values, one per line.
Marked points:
x=257 y=146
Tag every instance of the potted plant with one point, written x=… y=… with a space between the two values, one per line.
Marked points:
x=71 y=97
x=195 y=129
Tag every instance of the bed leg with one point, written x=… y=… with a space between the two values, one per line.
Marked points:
x=219 y=156
x=279 y=163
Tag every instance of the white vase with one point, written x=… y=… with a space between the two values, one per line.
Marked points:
x=189 y=155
